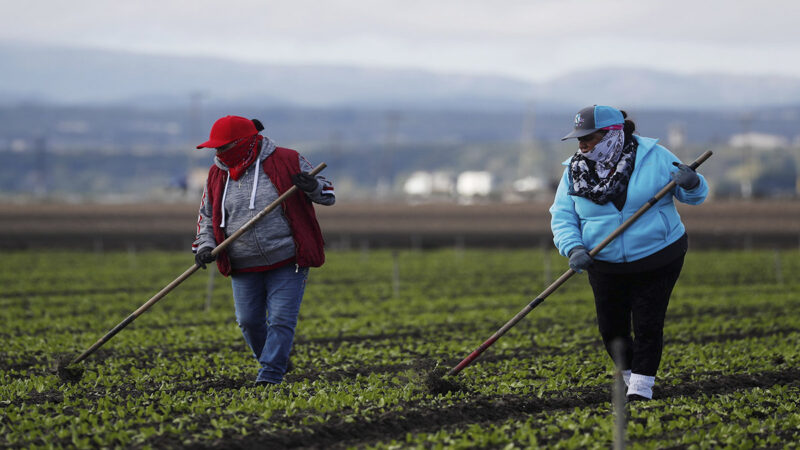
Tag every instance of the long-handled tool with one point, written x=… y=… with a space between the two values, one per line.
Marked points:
x=182 y=277
x=563 y=278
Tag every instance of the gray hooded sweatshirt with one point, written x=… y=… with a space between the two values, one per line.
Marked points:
x=270 y=239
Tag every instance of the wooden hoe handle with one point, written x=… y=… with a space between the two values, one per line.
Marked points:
x=163 y=292
x=563 y=278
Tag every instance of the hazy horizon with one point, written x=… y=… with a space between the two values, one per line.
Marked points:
x=530 y=41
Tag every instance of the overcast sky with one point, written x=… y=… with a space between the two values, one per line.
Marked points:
x=528 y=39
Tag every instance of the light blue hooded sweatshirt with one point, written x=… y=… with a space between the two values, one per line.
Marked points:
x=578 y=221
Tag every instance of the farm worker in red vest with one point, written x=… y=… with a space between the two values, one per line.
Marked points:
x=611 y=176
x=269 y=263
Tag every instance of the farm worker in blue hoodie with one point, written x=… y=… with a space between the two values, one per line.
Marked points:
x=269 y=263
x=611 y=176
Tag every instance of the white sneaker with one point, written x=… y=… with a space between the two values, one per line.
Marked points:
x=626 y=377
x=641 y=385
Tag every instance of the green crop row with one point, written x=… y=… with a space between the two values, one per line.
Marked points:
x=374 y=327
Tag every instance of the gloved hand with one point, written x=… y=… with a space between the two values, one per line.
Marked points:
x=579 y=259
x=203 y=257
x=305 y=181
x=685 y=177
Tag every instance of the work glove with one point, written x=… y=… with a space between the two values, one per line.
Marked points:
x=203 y=257
x=685 y=177
x=579 y=259
x=305 y=181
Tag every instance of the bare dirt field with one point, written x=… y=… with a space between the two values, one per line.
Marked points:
x=715 y=224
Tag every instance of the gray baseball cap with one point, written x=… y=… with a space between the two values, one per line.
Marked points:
x=593 y=118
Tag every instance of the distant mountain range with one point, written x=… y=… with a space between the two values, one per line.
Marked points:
x=88 y=76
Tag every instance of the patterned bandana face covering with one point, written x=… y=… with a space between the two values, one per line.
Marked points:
x=607 y=152
x=584 y=171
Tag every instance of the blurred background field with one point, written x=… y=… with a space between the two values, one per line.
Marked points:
x=407 y=104
x=439 y=128
x=720 y=224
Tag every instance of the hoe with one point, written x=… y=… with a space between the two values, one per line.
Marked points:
x=445 y=384
x=67 y=368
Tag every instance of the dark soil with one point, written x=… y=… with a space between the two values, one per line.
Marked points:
x=435 y=378
x=412 y=419
x=66 y=371
x=69 y=374
x=409 y=417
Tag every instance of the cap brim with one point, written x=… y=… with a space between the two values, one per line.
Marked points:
x=211 y=144
x=579 y=133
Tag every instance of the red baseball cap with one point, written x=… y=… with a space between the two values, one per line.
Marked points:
x=229 y=129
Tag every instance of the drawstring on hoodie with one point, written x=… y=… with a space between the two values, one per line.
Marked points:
x=252 y=194
x=224 y=193
x=255 y=185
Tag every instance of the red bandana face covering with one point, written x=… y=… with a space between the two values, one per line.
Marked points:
x=240 y=156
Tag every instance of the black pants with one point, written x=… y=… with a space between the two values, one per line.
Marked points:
x=640 y=299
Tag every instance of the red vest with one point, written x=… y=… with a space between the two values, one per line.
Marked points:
x=298 y=209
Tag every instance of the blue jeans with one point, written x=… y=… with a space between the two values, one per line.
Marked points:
x=267 y=305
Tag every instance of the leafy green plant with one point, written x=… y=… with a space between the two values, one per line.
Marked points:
x=181 y=375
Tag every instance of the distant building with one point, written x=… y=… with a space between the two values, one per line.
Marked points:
x=529 y=184
x=419 y=184
x=676 y=135
x=474 y=184
x=758 y=141
x=425 y=184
